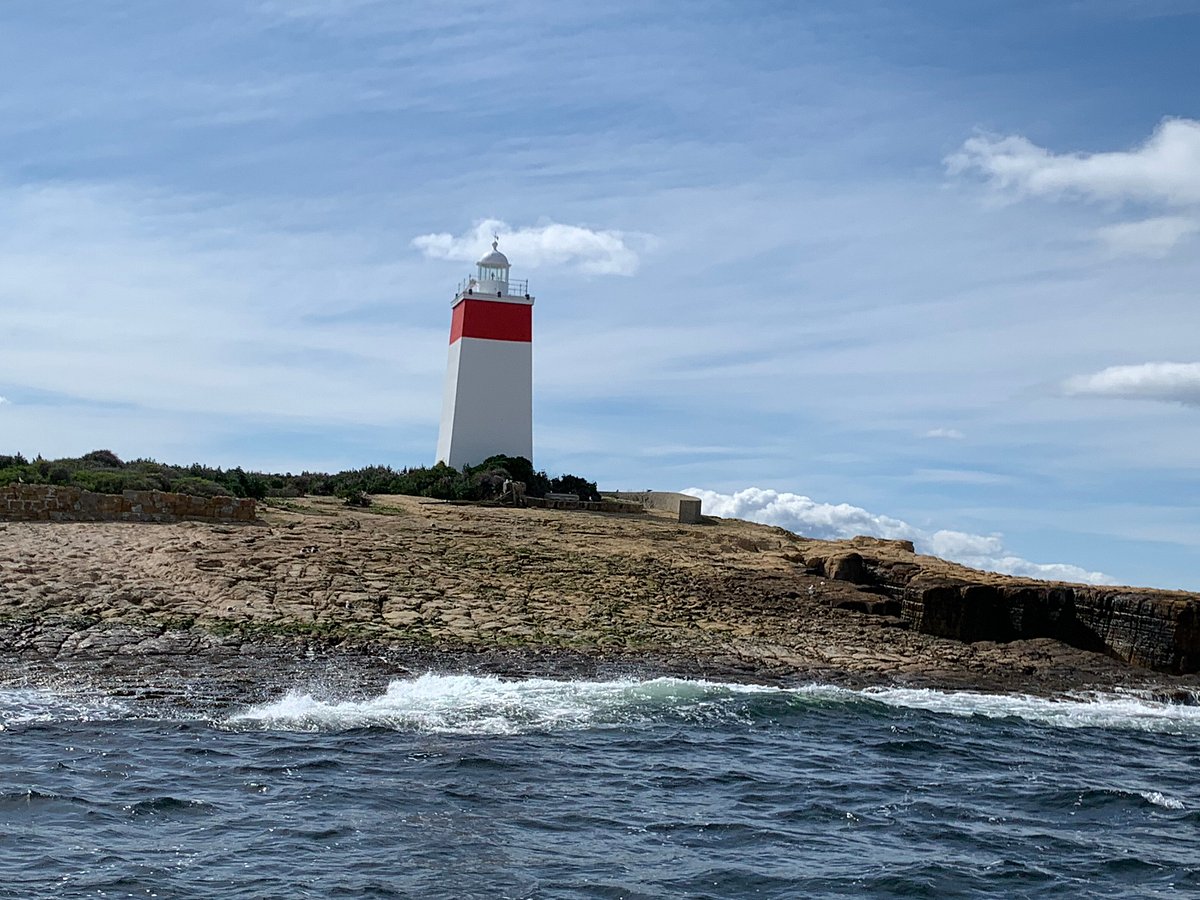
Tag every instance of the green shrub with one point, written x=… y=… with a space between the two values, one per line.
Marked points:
x=104 y=458
x=573 y=484
x=200 y=487
x=103 y=472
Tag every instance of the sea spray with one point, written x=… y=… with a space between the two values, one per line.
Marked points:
x=1092 y=710
x=27 y=706
x=470 y=704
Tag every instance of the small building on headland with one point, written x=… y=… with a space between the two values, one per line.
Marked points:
x=685 y=506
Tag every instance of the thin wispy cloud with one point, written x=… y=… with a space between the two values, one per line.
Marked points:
x=550 y=244
x=946 y=434
x=958 y=476
x=1154 y=238
x=185 y=297
x=839 y=521
x=1172 y=382
x=300 y=9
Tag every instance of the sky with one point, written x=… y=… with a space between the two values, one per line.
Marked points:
x=918 y=270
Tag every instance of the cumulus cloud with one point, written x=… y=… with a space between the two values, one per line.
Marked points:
x=949 y=434
x=1175 y=382
x=1165 y=169
x=3 y=400
x=829 y=521
x=553 y=244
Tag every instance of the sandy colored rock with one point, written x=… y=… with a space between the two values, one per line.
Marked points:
x=414 y=576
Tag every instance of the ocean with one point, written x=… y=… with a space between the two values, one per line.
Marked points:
x=464 y=786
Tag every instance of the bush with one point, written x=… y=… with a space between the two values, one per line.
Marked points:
x=103 y=472
x=104 y=458
x=355 y=498
x=200 y=487
x=101 y=482
x=573 y=484
x=245 y=485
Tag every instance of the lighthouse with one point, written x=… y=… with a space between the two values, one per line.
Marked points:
x=487 y=402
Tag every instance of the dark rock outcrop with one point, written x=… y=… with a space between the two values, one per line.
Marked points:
x=848 y=567
x=1152 y=628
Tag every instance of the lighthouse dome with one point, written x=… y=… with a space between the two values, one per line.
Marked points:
x=495 y=259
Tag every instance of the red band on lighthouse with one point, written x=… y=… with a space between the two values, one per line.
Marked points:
x=492 y=320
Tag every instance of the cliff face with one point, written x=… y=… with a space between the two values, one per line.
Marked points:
x=1151 y=628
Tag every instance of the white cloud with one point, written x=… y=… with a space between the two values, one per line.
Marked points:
x=950 y=434
x=3 y=400
x=1177 y=382
x=1149 y=237
x=1165 y=169
x=828 y=521
x=553 y=244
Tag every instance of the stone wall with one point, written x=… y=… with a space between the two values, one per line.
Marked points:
x=52 y=503
x=606 y=504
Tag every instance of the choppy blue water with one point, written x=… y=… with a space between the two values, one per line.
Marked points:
x=458 y=786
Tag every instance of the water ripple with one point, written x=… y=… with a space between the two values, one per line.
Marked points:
x=477 y=787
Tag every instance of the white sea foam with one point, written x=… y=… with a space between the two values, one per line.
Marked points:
x=1159 y=799
x=1095 y=710
x=29 y=706
x=472 y=704
x=469 y=704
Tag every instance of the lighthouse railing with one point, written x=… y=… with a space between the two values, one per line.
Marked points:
x=516 y=287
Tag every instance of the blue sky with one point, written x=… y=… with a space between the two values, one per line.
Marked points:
x=931 y=264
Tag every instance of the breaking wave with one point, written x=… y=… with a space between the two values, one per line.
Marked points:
x=1094 y=710
x=470 y=704
x=482 y=704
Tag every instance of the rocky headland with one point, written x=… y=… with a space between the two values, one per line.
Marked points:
x=315 y=591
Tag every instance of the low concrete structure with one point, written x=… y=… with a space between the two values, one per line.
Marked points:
x=685 y=506
x=53 y=503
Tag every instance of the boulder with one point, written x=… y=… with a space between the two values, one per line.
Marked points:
x=848 y=567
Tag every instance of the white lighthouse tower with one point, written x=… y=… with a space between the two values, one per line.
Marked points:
x=487 y=404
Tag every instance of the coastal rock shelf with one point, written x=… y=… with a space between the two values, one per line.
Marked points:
x=1151 y=628
x=542 y=590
